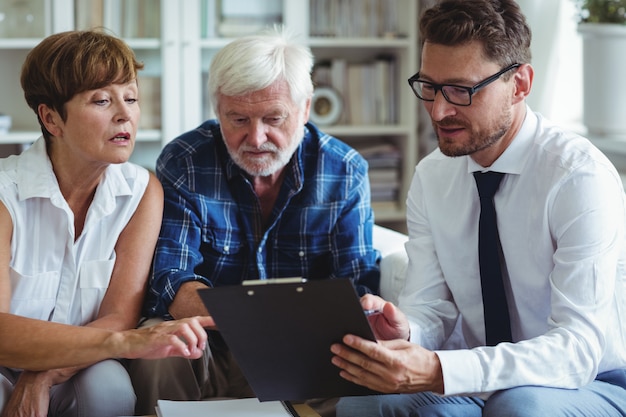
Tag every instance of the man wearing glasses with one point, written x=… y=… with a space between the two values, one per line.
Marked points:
x=551 y=342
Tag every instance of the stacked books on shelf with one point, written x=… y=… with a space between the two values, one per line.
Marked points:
x=384 y=161
x=150 y=100
x=367 y=89
x=141 y=19
x=226 y=19
x=354 y=18
x=134 y=18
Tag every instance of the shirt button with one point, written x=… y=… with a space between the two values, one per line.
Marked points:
x=226 y=248
x=301 y=253
x=260 y=250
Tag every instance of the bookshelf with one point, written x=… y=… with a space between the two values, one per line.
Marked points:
x=374 y=41
x=139 y=25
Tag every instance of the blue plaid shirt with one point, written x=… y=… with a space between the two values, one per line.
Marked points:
x=320 y=227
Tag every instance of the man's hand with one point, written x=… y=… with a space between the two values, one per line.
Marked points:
x=392 y=366
x=391 y=323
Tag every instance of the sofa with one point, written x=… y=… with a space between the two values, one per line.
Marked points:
x=393 y=268
x=393 y=263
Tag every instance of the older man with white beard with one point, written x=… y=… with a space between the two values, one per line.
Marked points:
x=257 y=193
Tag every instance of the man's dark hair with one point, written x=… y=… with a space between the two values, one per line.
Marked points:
x=499 y=25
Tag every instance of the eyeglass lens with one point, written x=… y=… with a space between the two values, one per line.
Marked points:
x=455 y=95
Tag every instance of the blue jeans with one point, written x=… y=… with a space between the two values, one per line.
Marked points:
x=604 y=397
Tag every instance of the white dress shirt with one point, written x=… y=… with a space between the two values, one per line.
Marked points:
x=54 y=276
x=561 y=214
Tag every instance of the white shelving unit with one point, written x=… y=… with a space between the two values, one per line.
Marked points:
x=45 y=16
x=177 y=53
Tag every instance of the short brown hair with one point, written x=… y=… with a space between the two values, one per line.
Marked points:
x=499 y=25
x=68 y=63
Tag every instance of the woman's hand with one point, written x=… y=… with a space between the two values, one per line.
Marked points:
x=184 y=337
x=30 y=396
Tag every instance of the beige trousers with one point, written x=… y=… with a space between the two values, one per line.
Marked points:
x=215 y=375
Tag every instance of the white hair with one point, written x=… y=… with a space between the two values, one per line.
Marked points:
x=252 y=63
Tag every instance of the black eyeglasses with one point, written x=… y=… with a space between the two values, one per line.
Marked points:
x=456 y=94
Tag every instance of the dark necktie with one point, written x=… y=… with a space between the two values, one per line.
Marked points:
x=497 y=323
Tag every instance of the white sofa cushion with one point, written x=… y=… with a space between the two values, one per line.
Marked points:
x=393 y=268
x=394 y=261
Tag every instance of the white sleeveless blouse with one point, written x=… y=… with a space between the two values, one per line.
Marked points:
x=53 y=276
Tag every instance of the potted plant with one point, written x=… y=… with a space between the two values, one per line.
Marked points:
x=602 y=11
x=602 y=24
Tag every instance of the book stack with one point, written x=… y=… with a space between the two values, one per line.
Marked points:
x=247 y=407
x=384 y=161
x=149 y=102
x=354 y=18
x=140 y=19
x=129 y=19
x=229 y=19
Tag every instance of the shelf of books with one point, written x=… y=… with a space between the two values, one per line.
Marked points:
x=138 y=21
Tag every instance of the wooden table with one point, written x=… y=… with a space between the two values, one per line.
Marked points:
x=305 y=411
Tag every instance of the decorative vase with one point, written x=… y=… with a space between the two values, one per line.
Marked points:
x=604 y=87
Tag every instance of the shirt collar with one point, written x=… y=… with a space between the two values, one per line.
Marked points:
x=42 y=182
x=514 y=157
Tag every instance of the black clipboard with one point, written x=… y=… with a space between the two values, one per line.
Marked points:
x=280 y=335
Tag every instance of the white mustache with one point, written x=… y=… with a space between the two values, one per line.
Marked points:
x=266 y=147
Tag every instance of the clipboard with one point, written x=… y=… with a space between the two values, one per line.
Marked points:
x=280 y=334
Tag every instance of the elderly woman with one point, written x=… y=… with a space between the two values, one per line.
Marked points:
x=78 y=222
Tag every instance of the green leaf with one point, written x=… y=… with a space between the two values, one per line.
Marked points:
x=601 y=11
